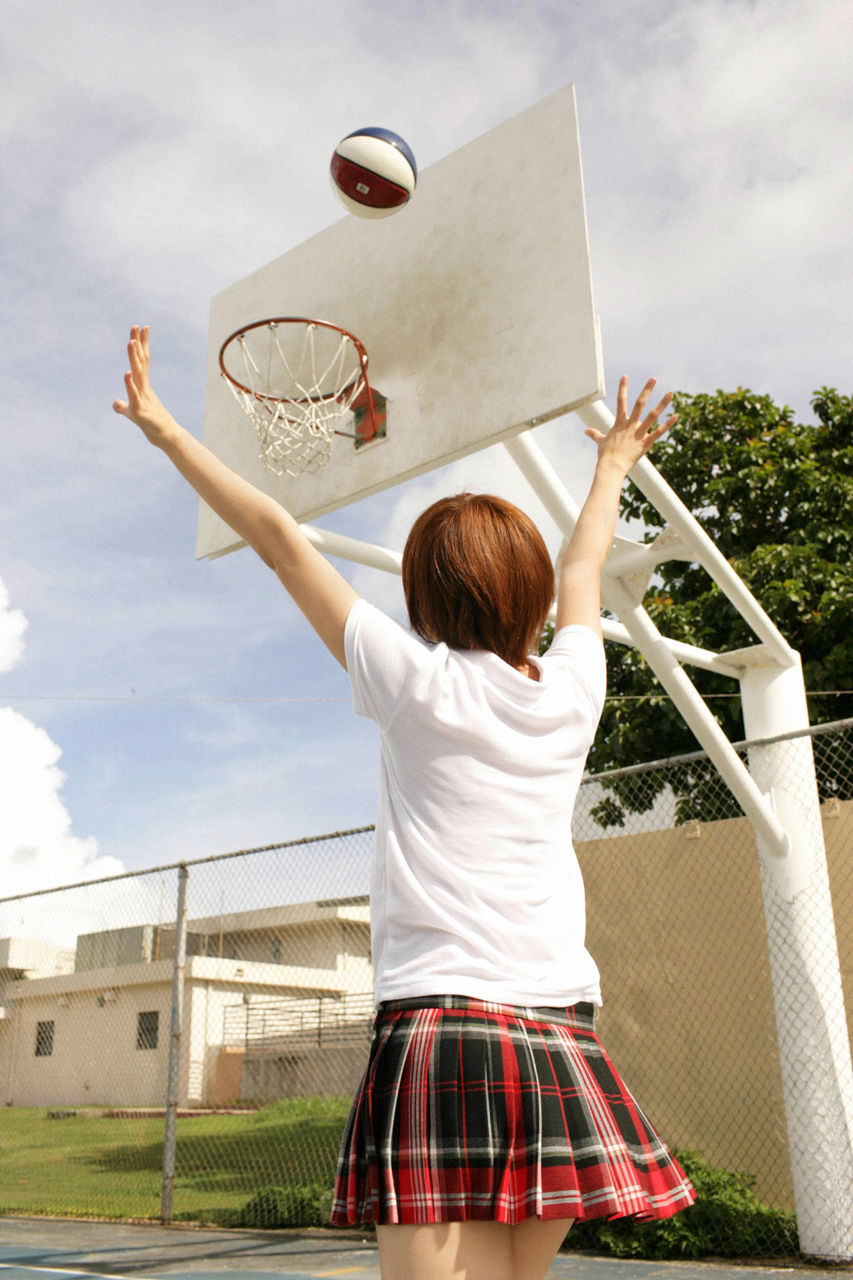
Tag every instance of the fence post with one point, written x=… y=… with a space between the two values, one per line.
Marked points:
x=13 y=1056
x=814 y=1049
x=175 y=1027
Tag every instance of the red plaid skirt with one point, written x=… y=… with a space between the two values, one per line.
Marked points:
x=470 y=1110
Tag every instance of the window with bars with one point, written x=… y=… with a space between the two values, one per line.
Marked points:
x=44 y=1039
x=147 y=1029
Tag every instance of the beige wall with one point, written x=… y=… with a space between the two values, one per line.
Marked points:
x=34 y=958
x=838 y=833
x=676 y=924
x=95 y=1061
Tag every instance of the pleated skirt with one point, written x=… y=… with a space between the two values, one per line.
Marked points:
x=472 y=1111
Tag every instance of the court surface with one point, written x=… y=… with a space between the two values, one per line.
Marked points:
x=35 y=1249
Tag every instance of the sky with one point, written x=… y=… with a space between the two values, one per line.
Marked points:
x=154 y=707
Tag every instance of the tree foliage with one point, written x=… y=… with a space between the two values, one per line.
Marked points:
x=776 y=496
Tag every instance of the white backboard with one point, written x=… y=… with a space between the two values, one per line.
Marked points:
x=474 y=303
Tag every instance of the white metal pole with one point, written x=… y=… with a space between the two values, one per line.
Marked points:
x=781 y=800
x=650 y=482
x=175 y=1029
x=376 y=557
x=338 y=544
x=698 y=718
x=814 y=1046
x=18 y=1014
x=721 y=663
x=645 y=635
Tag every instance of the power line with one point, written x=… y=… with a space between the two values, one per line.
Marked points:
x=706 y=697
x=203 y=700
x=96 y=697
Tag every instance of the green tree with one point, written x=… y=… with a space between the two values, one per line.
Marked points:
x=776 y=496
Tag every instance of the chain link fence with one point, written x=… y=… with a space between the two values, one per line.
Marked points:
x=243 y=1022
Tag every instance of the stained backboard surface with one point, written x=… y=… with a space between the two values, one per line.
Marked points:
x=474 y=302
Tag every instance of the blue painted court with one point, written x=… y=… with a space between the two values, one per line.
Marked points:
x=32 y=1249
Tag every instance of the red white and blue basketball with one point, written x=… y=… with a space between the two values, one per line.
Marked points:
x=373 y=172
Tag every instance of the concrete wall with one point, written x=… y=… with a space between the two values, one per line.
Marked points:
x=279 y=1074
x=110 y=947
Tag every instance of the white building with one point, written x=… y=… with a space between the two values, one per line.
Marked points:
x=276 y=1002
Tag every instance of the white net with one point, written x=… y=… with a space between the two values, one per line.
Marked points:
x=295 y=379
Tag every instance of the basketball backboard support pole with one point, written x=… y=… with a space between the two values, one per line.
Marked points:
x=779 y=794
x=469 y=302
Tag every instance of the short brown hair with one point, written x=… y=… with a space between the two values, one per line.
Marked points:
x=477 y=575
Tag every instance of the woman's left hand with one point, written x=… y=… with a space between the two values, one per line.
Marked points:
x=632 y=434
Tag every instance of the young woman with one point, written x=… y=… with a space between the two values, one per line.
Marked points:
x=489 y=1117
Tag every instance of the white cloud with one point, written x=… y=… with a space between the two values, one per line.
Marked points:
x=198 y=149
x=719 y=227
x=37 y=845
x=13 y=624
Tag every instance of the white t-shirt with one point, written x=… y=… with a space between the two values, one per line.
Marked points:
x=475 y=889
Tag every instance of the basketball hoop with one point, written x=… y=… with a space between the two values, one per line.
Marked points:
x=295 y=379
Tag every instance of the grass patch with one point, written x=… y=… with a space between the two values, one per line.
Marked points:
x=90 y=1165
x=49 y=1166
x=276 y=1167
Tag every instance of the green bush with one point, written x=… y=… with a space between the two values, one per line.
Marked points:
x=290 y=1206
x=727 y=1220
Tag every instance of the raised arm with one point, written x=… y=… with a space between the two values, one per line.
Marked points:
x=323 y=595
x=629 y=439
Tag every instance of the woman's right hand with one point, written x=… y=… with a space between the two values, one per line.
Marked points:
x=142 y=406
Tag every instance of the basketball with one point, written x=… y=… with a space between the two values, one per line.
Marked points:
x=373 y=172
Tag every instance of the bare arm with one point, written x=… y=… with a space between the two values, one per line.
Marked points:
x=629 y=439
x=323 y=595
